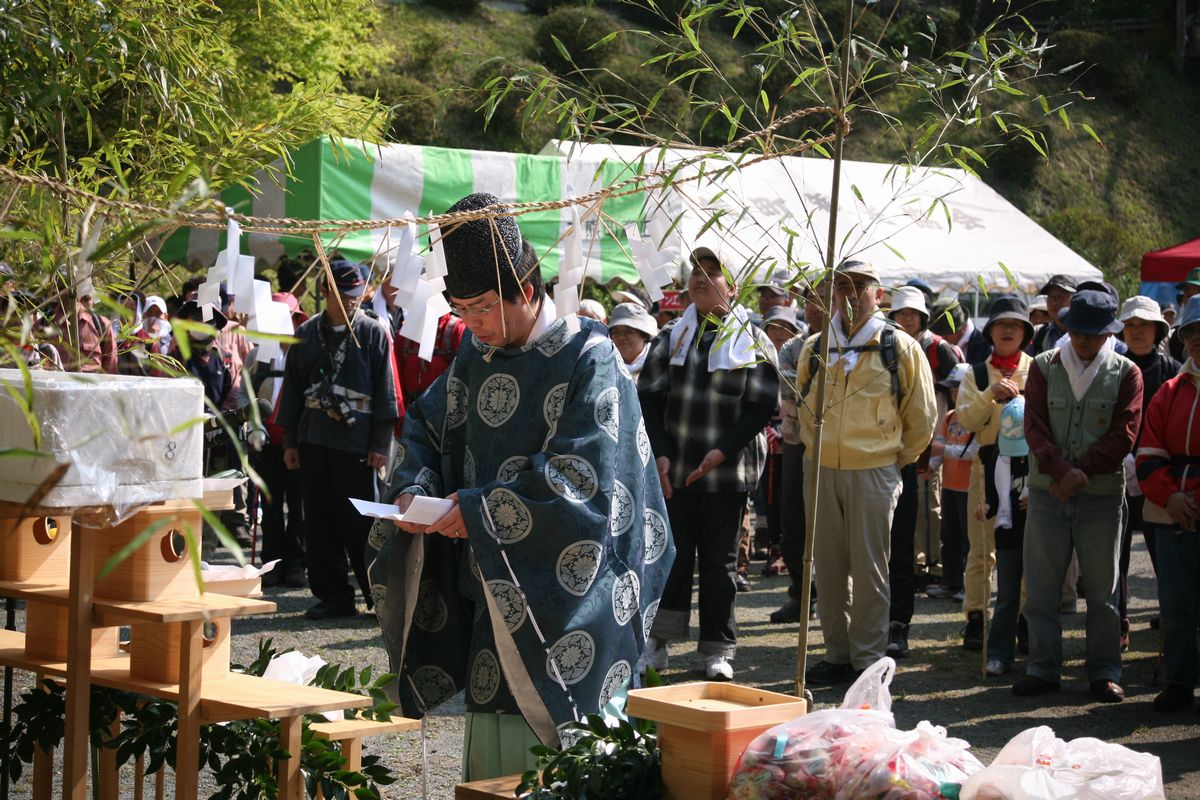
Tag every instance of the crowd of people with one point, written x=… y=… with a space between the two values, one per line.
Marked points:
x=598 y=465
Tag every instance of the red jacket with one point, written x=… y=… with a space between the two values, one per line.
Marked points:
x=1168 y=456
x=417 y=375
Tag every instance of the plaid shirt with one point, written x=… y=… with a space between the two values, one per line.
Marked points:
x=690 y=411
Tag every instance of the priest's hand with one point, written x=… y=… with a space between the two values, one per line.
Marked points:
x=451 y=525
x=291 y=458
x=712 y=459
x=664 y=475
x=403 y=501
x=376 y=460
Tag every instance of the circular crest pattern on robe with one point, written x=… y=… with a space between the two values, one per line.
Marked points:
x=573 y=654
x=468 y=469
x=511 y=518
x=511 y=467
x=555 y=340
x=620 y=517
x=498 y=399
x=434 y=685
x=625 y=597
x=655 y=533
x=457 y=402
x=648 y=619
x=510 y=602
x=577 y=567
x=552 y=406
x=485 y=676
x=380 y=531
x=608 y=412
x=572 y=476
x=430 y=613
x=616 y=677
x=643 y=443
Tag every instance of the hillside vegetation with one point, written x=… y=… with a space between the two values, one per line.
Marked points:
x=1134 y=191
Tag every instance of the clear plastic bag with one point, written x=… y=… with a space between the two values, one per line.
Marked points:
x=852 y=752
x=1037 y=765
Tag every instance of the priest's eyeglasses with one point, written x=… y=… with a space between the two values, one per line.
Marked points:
x=474 y=311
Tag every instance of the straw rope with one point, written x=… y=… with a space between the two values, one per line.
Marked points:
x=217 y=216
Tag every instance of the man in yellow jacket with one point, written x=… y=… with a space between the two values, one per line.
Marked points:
x=879 y=416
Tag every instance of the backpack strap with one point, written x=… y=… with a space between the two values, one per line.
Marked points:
x=933 y=353
x=887 y=354
x=981 y=375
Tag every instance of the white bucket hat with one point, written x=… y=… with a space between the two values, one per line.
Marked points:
x=1038 y=304
x=633 y=315
x=1145 y=308
x=909 y=297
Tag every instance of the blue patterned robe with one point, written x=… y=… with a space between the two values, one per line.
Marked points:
x=545 y=608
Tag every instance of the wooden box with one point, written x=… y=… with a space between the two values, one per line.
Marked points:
x=160 y=567
x=154 y=649
x=35 y=549
x=703 y=728
x=46 y=634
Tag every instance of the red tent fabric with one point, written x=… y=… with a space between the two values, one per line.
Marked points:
x=1171 y=264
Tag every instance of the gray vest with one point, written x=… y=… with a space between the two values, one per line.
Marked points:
x=1079 y=424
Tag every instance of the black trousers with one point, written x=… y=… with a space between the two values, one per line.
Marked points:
x=705 y=526
x=283 y=535
x=793 y=521
x=334 y=531
x=901 y=578
x=954 y=537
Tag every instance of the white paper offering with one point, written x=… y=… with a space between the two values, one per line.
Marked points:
x=423 y=511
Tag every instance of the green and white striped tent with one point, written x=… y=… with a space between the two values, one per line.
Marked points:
x=343 y=179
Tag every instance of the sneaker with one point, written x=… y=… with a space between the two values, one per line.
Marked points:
x=327 y=610
x=788 y=612
x=1031 y=685
x=973 y=632
x=897 y=646
x=1176 y=697
x=718 y=668
x=959 y=595
x=655 y=656
x=741 y=582
x=939 y=591
x=825 y=674
x=995 y=667
x=1022 y=635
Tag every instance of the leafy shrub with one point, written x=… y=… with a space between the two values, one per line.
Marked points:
x=461 y=6
x=1016 y=162
x=414 y=119
x=1107 y=67
x=1097 y=237
x=507 y=127
x=590 y=37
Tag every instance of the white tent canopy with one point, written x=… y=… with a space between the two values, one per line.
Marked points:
x=944 y=226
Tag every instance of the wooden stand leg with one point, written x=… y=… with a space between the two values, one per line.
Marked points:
x=352 y=752
x=43 y=764
x=291 y=785
x=79 y=665
x=139 y=777
x=187 y=749
x=110 y=777
x=160 y=784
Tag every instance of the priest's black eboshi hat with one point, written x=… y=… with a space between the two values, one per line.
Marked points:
x=482 y=254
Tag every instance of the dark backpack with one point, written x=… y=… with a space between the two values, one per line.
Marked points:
x=887 y=354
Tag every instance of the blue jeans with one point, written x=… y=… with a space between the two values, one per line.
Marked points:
x=1090 y=526
x=1002 y=633
x=1179 y=599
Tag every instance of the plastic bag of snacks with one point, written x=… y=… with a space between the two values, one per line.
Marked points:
x=1036 y=764
x=853 y=753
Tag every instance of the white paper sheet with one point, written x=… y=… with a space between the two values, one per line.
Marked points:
x=423 y=511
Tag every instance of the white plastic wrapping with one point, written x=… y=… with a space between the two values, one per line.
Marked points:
x=128 y=441
x=299 y=669
x=1036 y=764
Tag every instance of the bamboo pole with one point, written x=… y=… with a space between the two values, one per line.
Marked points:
x=814 y=462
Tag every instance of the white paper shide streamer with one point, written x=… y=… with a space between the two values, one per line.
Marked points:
x=421 y=296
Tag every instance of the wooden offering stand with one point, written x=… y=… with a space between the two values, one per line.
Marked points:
x=179 y=648
x=704 y=727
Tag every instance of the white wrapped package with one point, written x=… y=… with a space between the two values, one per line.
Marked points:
x=299 y=669
x=127 y=440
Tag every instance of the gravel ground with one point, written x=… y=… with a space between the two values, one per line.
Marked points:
x=939 y=682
